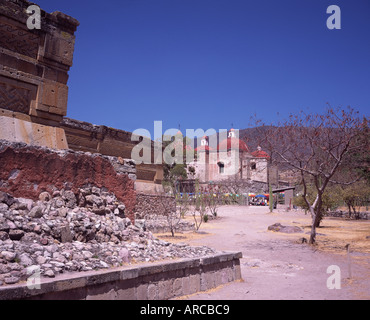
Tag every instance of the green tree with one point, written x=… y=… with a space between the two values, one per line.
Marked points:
x=331 y=198
x=174 y=172
x=359 y=160
x=356 y=195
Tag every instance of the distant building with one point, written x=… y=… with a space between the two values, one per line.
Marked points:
x=232 y=160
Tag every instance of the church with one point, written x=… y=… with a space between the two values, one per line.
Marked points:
x=231 y=160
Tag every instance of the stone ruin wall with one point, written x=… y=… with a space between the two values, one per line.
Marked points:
x=152 y=205
x=34 y=67
x=41 y=150
x=84 y=136
x=149 y=205
x=26 y=171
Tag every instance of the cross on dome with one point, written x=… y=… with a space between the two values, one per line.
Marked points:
x=204 y=141
x=231 y=133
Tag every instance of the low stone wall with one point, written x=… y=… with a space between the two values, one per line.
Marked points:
x=26 y=171
x=159 y=224
x=160 y=281
x=149 y=204
x=345 y=214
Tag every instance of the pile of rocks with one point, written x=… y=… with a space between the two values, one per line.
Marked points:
x=65 y=232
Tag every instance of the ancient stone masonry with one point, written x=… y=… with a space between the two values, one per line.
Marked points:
x=155 y=281
x=68 y=189
x=34 y=67
x=26 y=171
x=344 y=214
x=84 y=136
x=149 y=214
x=148 y=204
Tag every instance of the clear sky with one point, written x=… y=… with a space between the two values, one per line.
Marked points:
x=212 y=63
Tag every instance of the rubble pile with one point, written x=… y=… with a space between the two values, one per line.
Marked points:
x=67 y=232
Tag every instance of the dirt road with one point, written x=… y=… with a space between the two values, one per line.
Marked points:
x=277 y=266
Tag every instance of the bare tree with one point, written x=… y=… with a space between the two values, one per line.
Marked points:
x=182 y=204
x=316 y=145
x=213 y=198
x=236 y=186
x=171 y=211
x=199 y=207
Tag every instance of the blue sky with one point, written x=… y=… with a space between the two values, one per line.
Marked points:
x=212 y=63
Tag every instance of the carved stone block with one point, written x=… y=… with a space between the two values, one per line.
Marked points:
x=16 y=95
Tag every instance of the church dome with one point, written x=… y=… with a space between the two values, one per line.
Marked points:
x=232 y=143
x=204 y=145
x=259 y=153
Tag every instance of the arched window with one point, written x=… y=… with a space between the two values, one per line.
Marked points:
x=221 y=167
x=254 y=166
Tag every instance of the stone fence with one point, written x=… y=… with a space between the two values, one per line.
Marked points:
x=159 y=224
x=160 y=281
x=152 y=204
x=345 y=214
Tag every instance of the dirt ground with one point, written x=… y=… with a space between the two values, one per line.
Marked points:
x=278 y=266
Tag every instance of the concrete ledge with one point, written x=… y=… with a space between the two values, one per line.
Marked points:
x=158 y=281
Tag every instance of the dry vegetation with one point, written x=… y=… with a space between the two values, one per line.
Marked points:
x=340 y=232
x=335 y=233
x=205 y=230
